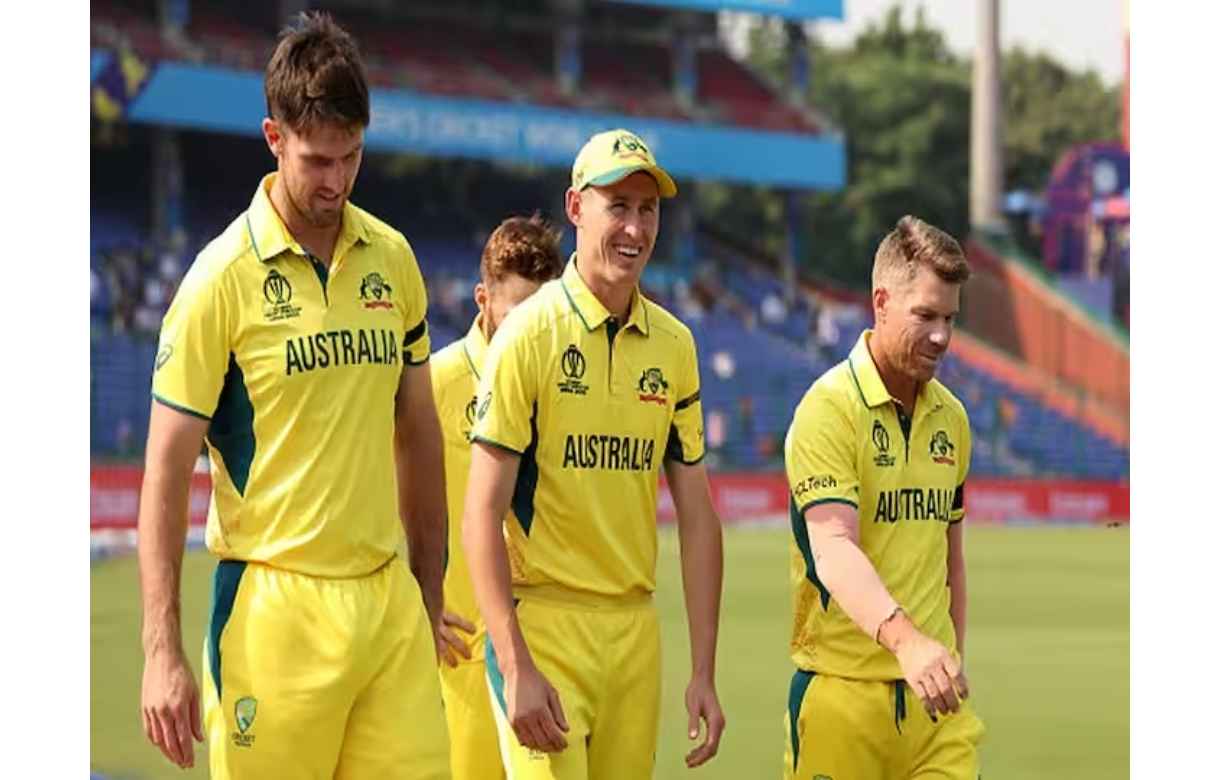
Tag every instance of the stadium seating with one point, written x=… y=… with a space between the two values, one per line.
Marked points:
x=460 y=58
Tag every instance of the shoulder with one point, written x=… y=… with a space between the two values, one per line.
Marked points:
x=663 y=322
x=384 y=237
x=448 y=365
x=535 y=318
x=953 y=404
x=832 y=398
x=220 y=259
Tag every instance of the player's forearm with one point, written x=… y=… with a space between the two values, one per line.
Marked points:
x=957 y=589
x=487 y=557
x=702 y=551
x=422 y=505
x=162 y=526
x=851 y=579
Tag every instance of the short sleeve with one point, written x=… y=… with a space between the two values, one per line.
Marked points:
x=685 y=443
x=958 y=510
x=416 y=341
x=194 y=347
x=508 y=391
x=820 y=454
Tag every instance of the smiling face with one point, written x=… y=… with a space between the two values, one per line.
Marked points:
x=616 y=228
x=914 y=323
x=317 y=168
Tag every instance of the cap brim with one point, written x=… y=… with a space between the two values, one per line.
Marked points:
x=665 y=185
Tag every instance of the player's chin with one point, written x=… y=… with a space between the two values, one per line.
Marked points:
x=626 y=267
x=326 y=217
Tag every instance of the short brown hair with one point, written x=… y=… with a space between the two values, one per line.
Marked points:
x=913 y=243
x=525 y=246
x=316 y=76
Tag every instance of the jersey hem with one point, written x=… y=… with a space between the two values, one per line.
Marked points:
x=684 y=462
x=801 y=510
x=180 y=408
x=496 y=444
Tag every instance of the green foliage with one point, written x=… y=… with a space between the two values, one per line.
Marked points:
x=901 y=98
x=1047 y=110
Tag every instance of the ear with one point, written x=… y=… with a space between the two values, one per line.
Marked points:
x=881 y=297
x=571 y=206
x=481 y=296
x=273 y=136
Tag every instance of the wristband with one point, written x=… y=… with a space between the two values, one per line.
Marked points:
x=888 y=618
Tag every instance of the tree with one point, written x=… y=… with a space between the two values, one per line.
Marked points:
x=1047 y=110
x=902 y=101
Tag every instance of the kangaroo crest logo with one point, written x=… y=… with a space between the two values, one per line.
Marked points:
x=652 y=386
x=629 y=145
x=375 y=292
x=941 y=449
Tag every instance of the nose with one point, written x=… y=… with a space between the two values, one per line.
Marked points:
x=335 y=179
x=940 y=335
x=633 y=228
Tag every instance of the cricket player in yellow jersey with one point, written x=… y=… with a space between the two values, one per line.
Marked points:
x=877 y=457
x=588 y=390
x=297 y=346
x=520 y=254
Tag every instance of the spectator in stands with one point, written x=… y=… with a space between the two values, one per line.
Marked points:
x=773 y=310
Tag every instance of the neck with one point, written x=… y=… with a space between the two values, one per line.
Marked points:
x=900 y=387
x=318 y=241
x=484 y=327
x=616 y=298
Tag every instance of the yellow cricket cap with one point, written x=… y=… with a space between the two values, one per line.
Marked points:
x=614 y=155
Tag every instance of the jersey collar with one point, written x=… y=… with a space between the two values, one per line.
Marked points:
x=474 y=346
x=590 y=310
x=868 y=379
x=270 y=237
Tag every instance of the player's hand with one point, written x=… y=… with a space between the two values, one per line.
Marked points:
x=449 y=644
x=534 y=710
x=702 y=704
x=935 y=676
x=169 y=703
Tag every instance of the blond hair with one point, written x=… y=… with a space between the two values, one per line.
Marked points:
x=913 y=243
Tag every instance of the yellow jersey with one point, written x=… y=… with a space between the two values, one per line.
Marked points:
x=593 y=407
x=455 y=379
x=296 y=367
x=904 y=477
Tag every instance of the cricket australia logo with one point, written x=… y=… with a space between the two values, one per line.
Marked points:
x=941 y=449
x=572 y=364
x=277 y=292
x=243 y=713
x=652 y=386
x=375 y=292
x=881 y=440
x=629 y=145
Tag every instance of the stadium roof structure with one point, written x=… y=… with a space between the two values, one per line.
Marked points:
x=789 y=9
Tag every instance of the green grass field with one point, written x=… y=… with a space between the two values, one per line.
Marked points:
x=1048 y=655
